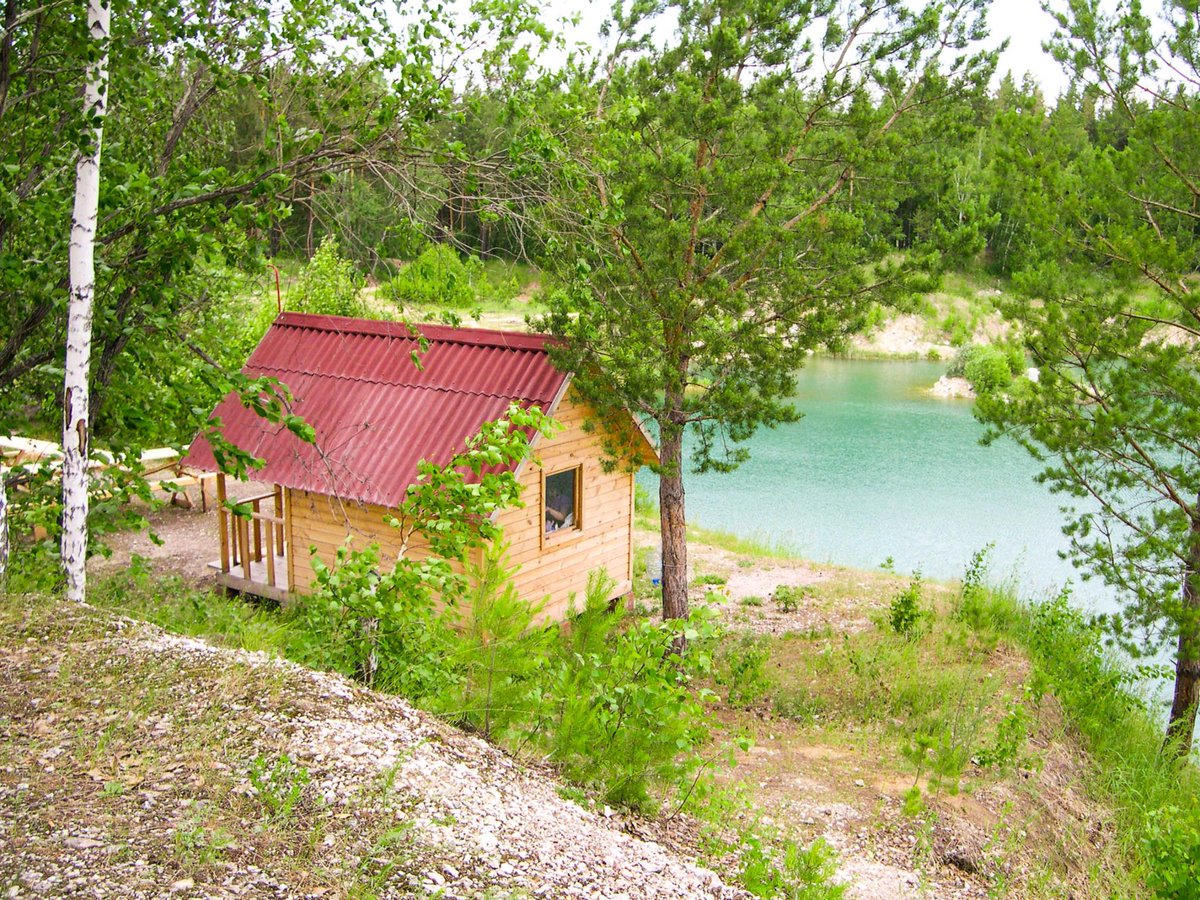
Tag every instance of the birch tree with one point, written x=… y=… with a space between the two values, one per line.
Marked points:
x=82 y=273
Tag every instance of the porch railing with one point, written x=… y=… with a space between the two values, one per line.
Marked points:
x=254 y=539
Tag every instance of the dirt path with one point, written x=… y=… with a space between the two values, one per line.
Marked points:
x=179 y=541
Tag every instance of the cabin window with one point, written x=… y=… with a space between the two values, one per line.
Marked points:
x=560 y=506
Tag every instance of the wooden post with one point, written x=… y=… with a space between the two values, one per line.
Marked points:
x=279 y=516
x=256 y=506
x=244 y=529
x=223 y=521
x=270 y=554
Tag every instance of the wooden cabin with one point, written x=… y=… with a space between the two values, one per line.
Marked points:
x=376 y=414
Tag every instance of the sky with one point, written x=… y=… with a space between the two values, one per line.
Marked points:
x=1027 y=27
x=1023 y=22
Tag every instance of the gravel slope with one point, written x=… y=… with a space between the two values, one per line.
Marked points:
x=126 y=769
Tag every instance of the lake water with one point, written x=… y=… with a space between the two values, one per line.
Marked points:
x=879 y=468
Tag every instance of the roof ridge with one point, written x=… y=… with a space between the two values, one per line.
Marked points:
x=423 y=387
x=449 y=334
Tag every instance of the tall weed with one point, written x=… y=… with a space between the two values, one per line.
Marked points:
x=1154 y=798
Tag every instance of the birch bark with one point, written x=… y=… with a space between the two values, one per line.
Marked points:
x=82 y=271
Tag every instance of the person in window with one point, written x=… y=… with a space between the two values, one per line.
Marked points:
x=560 y=509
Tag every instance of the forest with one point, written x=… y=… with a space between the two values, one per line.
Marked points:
x=694 y=201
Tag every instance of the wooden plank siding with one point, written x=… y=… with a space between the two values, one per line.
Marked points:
x=554 y=566
x=322 y=522
x=557 y=565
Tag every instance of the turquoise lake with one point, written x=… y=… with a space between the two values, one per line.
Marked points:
x=879 y=468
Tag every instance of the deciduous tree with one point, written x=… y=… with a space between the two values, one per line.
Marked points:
x=82 y=281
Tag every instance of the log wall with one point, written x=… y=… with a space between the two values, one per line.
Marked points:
x=553 y=566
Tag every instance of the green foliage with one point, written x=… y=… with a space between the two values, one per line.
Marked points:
x=710 y=578
x=988 y=372
x=209 y=144
x=802 y=873
x=35 y=510
x=279 y=786
x=198 y=845
x=619 y=708
x=741 y=670
x=988 y=368
x=1170 y=846
x=498 y=653
x=787 y=598
x=906 y=610
x=440 y=277
x=383 y=628
x=329 y=284
x=1012 y=731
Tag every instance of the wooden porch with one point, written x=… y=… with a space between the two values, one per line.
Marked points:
x=254 y=551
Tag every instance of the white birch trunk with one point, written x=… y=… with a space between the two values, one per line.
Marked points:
x=81 y=263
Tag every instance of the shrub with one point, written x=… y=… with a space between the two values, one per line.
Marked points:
x=440 y=277
x=383 y=628
x=741 y=670
x=279 y=786
x=988 y=371
x=617 y=708
x=497 y=654
x=329 y=284
x=988 y=368
x=788 y=598
x=906 y=612
x=1170 y=846
x=802 y=874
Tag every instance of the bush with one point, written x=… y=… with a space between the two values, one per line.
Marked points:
x=988 y=372
x=906 y=612
x=329 y=284
x=440 y=277
x=1170 y=846
x=987 y=368
x=617 y=709
x=788 y=598
x=741 y=670
x=383 y=628
x=498 y=654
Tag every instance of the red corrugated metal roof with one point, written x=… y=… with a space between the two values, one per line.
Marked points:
x=375 y=413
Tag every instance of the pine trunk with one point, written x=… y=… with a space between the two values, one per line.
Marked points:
x=82 y=270
x=674 y=523
x=1182 y=723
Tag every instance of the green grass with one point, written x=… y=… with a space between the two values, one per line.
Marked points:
x=762 y=546
x=1155 y=799
x=174 y=605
